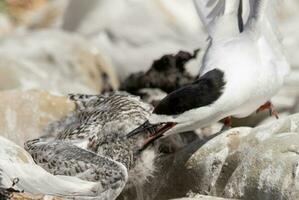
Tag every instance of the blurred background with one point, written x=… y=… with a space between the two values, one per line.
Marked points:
x=75 y=46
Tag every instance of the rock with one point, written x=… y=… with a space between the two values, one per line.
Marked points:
x=243 y=163
x=170 y=179
x=38 y=60
x=203 y=197
x=169 y=28
x=6 y=25
x=26 y=196
x=23 y=115
x=35 y=13
x=249 y=163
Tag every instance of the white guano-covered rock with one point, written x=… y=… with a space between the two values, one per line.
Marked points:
x=24 y=14
x=250 y=163
x=202 y=197
x=55 y=61
x=134 y=33
x=24 y=115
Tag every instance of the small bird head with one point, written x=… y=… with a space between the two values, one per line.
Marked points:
x=154 y=131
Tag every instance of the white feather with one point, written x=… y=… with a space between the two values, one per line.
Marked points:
x=219 y=17
x=261 y=21
x=15 y=162
x=261 y=16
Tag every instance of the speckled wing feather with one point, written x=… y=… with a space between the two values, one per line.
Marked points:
x=90 y=142
x=97 y=111
x=84 y=101
x=72 y=122
x=62 y=158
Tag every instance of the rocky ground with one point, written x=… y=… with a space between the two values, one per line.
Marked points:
x=50 y=48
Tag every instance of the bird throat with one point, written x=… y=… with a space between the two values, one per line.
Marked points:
x=157 y=132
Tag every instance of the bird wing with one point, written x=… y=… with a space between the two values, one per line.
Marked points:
x=206 y=90
x=261 y=20
x=63 y=158
x=259 y=10
x=16 y=165
x=219 y=17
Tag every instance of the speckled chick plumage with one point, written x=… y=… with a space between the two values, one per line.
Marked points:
x=90 y=143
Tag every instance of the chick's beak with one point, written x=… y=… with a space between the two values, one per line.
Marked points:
x=155 y=131
x=145 y=127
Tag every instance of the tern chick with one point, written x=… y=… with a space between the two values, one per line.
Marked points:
x=89 y=143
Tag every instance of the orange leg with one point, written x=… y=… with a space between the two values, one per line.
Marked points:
x=227 y=123
x=268 y=106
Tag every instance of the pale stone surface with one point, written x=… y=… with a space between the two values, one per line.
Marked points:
x=194 y=196
x=152 y=29
x=24 y=115
x=258 y=163
x=26 y=196
x=203 y=197
x=55 y=61
x=170 y=27
x=243 y=163
x=31 y=14
x=5 y=25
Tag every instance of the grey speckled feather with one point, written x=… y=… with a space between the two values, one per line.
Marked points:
x=77 y=162
x=90 y=142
